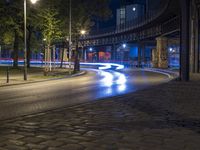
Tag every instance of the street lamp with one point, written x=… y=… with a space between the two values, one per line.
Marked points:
x=83 y=32
x=124 y=45
x=33 y=1
x=91 y=49
x=25 y=42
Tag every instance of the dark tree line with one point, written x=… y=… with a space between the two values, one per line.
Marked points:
x=49 y=19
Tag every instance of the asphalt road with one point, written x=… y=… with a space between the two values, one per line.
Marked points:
x=42 y=96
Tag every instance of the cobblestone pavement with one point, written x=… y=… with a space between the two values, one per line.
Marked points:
x=166 y=117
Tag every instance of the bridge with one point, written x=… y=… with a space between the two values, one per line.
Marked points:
x=153 y=25
x=159 y=26
x=149 y=26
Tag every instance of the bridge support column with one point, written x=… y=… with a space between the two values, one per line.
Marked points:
x=162 y=52
x=113 y=53
x=85 y=54
x=139 y=55
x=143 y=54
x=185 y=44
x=154 y=58
x=194 y=39
x=97 y=55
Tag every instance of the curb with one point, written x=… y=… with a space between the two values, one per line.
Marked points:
x=68 y=76
x=79 y=74
x=170 y=74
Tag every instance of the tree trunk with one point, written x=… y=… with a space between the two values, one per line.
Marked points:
x=16 y=51
x=47 y=60
x=62 y=58
x=29 y=48
x=76 y=60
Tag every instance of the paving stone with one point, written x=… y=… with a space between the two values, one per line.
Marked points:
x=1 y=148
x=93 y=148
x=15 y=147
x=36 y=146
x=17 y=142
x=14 y=136
x=80 y=138
x=2 y=139
x=73 y=147
x=33 y=140
x=45 y=137
x=52 y=143
x=54 y=148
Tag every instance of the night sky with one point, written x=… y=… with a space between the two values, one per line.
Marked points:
x=111 y=22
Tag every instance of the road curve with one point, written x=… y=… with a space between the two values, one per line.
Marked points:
x=38 y=97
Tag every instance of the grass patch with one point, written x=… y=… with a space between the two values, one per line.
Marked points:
x=34 y=72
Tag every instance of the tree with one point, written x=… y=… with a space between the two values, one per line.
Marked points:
x=11 y=22
x=49 y=25
x=31 y=31
x=83 y=14
x=48 y=21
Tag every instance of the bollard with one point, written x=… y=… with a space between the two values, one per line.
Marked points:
x=7 y=75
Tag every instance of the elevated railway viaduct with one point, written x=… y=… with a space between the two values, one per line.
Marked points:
x=177 y=19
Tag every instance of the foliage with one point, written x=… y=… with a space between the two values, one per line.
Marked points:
x=49 y=18
x=11 y=17
x=7 y=38
x=49 y=25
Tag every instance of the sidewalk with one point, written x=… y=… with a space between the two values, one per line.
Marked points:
x=165 y=117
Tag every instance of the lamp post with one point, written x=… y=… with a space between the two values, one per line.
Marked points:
x=70 y=34
x=0 y=52
x=25 y=42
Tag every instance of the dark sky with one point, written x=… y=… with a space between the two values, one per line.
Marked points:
x=113 y=5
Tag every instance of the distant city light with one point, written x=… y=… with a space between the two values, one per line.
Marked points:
x=91 y=49
x=124 y=45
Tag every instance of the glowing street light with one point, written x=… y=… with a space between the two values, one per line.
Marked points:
x=91 y=49
x=83 y=32
x=124 y=45
x=33 y=1
x=25 y=42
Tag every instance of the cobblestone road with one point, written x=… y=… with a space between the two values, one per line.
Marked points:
x=166 y=117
